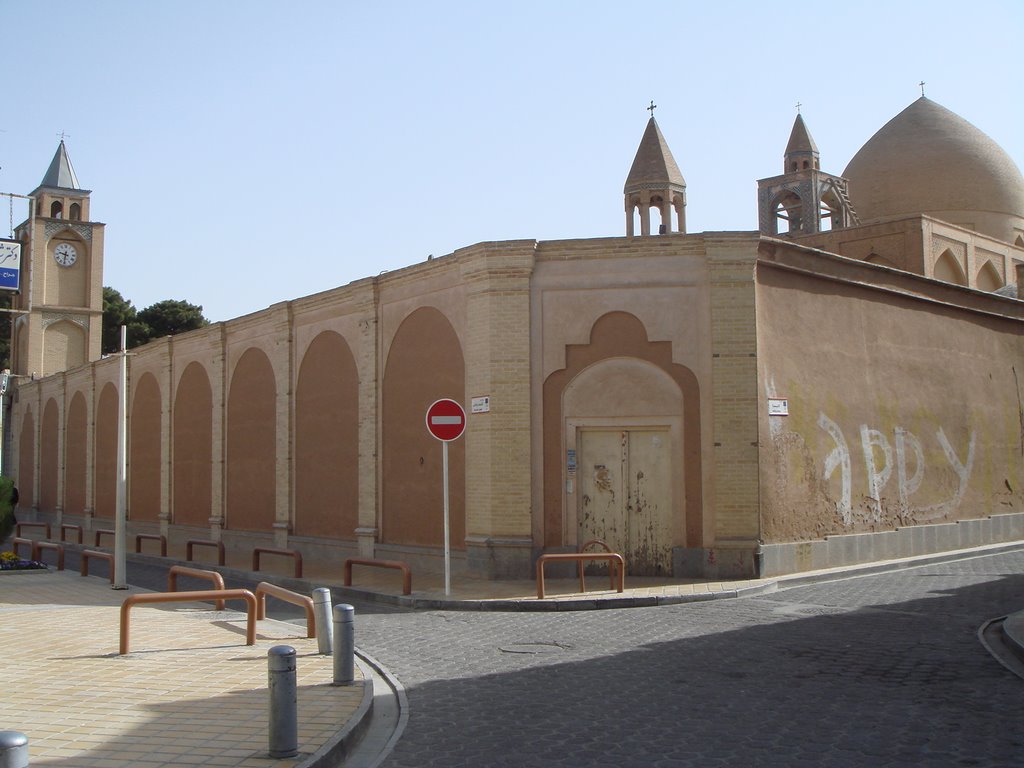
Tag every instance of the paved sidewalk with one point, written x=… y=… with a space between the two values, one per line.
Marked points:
x=190 y=692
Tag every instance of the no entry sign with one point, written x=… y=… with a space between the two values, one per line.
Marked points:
x=446 y=420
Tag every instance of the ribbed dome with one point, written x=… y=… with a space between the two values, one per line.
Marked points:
x=930 y=160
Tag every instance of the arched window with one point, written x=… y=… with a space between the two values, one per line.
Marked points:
x=75 y=212
x=56 y=209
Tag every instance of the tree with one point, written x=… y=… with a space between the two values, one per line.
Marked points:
x=118 y=311
x=165 y=318
x=170 y=317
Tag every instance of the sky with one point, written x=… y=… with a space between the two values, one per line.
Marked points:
x=247 y=153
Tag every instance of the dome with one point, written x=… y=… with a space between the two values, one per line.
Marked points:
x=932 y=161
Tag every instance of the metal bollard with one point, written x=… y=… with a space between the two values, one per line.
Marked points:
x=13 y=749
x=284 y=719
x=344 y=644
x=322 y=616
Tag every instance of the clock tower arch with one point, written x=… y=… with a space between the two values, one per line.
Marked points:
x=61 y=293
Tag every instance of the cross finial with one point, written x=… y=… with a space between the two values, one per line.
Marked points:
x=63 y=136
x=922 y=87
x=798 y=105
x=652 y=108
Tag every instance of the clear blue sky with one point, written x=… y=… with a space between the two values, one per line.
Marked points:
x=245 y=153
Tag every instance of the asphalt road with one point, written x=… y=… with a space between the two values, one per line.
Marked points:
x=883 y=670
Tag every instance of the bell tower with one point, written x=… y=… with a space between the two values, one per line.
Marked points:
x=803 y=200
x=654 y=181
x=62 y=277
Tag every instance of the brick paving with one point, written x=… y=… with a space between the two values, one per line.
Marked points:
x=190 y=692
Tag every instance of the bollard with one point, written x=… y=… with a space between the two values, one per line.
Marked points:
x=284 y=720
x=344 y=644
x=322 y=617
x=13 y=749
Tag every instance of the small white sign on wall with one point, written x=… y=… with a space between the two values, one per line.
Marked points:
x=480 y=404
x=778 y=406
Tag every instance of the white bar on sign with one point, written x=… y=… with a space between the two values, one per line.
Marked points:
x=445 y=419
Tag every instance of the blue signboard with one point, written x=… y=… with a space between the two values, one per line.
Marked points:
x=10 y=265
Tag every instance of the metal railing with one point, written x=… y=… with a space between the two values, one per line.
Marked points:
x=265 y=588
x=197 y=573
x=140 y=537
x=92 y=554
x=292 y=553
x=44 y=526
x=396 y=564
x=189 y=597
x=192 y=543
x=39 y=546
x=101 y=532
x=69 y=527
x=615 y=562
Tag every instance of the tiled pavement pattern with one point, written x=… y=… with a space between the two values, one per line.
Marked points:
x=884 y=670
x=190 y=692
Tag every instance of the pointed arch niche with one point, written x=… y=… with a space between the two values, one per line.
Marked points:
x=622 y=337
x=988 y=278
x=424 y=363
x=105 y=463
x=27 y=460
x=49 y=457
x=948 y=268
x=327 y=440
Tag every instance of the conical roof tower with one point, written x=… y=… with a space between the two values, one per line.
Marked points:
x=654 y=181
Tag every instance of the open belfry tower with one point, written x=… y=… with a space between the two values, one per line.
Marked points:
x=62 y=277
x=803 y=200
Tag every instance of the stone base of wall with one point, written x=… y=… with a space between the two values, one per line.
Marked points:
x=714 y=563
x=861 y=548
x=491 y=558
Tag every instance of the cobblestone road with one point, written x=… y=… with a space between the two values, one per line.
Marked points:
x=883 y=670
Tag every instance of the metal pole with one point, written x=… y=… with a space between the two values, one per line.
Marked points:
x=120 y=522
x=447 y=535
x=344 y=644
x=284 y=718
x=322 y=617
x=13 y=749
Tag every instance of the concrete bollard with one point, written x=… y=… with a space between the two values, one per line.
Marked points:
x=322 y=617
x=13 y=749
x=344 y=644
x=284 y=718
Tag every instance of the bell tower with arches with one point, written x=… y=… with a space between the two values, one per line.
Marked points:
x=803 y=200
x=61 y=294
x=654 y=182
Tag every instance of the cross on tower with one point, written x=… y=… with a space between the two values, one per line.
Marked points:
x=922 y=87
x=63 y=136
x=798 y=105
x=652 y=108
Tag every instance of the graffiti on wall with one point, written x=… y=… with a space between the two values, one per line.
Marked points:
x=902 y=457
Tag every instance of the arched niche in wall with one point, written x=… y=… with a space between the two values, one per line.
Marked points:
x=105 y=463
x=424 y=363
x=327 y=440
x=76 y=446
x=146 y=459
x=49 y=457
x=192 y=426
x=252 y=444
x=948 y=268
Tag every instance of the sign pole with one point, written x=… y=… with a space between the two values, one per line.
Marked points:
x=446 y=421
x=447 y=535
x=120 y=519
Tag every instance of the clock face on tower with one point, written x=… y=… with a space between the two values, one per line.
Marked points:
x=65 y=254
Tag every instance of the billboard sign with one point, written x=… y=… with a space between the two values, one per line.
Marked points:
x=10 y=265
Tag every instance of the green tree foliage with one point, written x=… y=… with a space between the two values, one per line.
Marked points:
x=165 y=318
x=118 y=311
x=169 y=317
x=6 y=507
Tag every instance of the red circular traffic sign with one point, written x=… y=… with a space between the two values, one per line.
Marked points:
x=446 y=420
